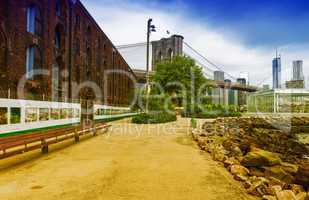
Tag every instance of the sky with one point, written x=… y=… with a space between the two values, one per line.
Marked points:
x=241 y=36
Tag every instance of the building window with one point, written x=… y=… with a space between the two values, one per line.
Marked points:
x=34 y=20
x=33 y=60
x=38 y=22
x=77 y=46
x=31 y=19
x=88 y=64
x=77 y=74
x=170 y=54
x=77 y=22
x=58 y=8
x=57 y=37
x=88 y=36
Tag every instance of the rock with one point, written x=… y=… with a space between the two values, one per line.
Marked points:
x=290 y=168
x=269 y=197
x=302 y=175
x=297 y=188
x=247 y=184
x=229 y=162
x=272 y=190
x=260 y=158
x=279 y=173
x=274 y=181
x=258 y=186
x=239 y=170
x=258 y=189
x=218 y=156
x=256 y=172
x=235 y=151
x=239 y=177
x=285 y=195
x=302 y=196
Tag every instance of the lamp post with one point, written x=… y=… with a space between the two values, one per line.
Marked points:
x=150 y=28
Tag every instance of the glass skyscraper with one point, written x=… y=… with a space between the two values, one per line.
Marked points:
x=276 y=72
x=298 y=70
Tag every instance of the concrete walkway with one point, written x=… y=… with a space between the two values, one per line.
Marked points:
x=131 y=162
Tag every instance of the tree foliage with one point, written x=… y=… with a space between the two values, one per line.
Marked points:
x=180 y=76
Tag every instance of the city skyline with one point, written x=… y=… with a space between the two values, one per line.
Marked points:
x=228 y=47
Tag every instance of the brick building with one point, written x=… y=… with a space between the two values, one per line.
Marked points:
x=61 y=39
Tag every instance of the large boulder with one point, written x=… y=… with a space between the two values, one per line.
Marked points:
x=285 y=195
x=290 y=168
x=302 y=175
x=260 y=158
x=278 y=173
x=239 y=170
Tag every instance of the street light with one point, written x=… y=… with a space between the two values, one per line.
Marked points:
x=150 y=28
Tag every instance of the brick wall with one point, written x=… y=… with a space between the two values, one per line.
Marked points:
x=84 y=53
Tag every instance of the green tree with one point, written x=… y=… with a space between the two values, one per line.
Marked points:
x=180 y=77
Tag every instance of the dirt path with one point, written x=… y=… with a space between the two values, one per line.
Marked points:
x=131 y=162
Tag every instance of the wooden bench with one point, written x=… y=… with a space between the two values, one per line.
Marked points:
x=13 y=145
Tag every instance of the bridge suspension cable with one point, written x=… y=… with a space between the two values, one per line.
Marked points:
x=131 y=45
x=208 y=61
x=204 y=58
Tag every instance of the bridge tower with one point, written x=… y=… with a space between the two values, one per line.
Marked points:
x=166 y=48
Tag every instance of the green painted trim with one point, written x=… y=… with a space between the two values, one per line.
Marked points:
x=113 y=118
x=35 y=130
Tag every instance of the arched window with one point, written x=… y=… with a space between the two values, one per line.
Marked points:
x=77 y=74
x=77 y=46
x=88 y=60
x=33 y=60
x=58 y=37
x=170 y=54
x=58 y=7
x=88 y=36
x=159 y=56
x=99 y=53
x=34 y=20
x=77 y=22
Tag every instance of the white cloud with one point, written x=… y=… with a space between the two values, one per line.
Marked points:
x=125 y=23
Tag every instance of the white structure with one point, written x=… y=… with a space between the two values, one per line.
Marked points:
x=279 y=101
x=22 y=115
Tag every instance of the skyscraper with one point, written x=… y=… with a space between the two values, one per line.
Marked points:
x=218 y=76
x=298 y=70
x=276 y=72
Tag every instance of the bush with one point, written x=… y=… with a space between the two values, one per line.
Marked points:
x=154 y=118
x=211 y=111
x=193 y=123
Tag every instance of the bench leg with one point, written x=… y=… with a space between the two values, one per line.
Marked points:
x=45 y=149
x=76 y=138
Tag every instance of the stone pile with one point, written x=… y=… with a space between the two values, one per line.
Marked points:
x=263 y=153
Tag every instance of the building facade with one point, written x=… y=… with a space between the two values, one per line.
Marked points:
x=56 y=51
x=276 y=72
x=298 y=70
x=218 y=76
x=294 y=84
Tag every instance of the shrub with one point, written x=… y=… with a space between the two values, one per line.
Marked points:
x=154 y=118
x=193 y=123
x=211 y=111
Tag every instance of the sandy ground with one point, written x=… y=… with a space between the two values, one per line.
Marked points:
x=130 y=162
